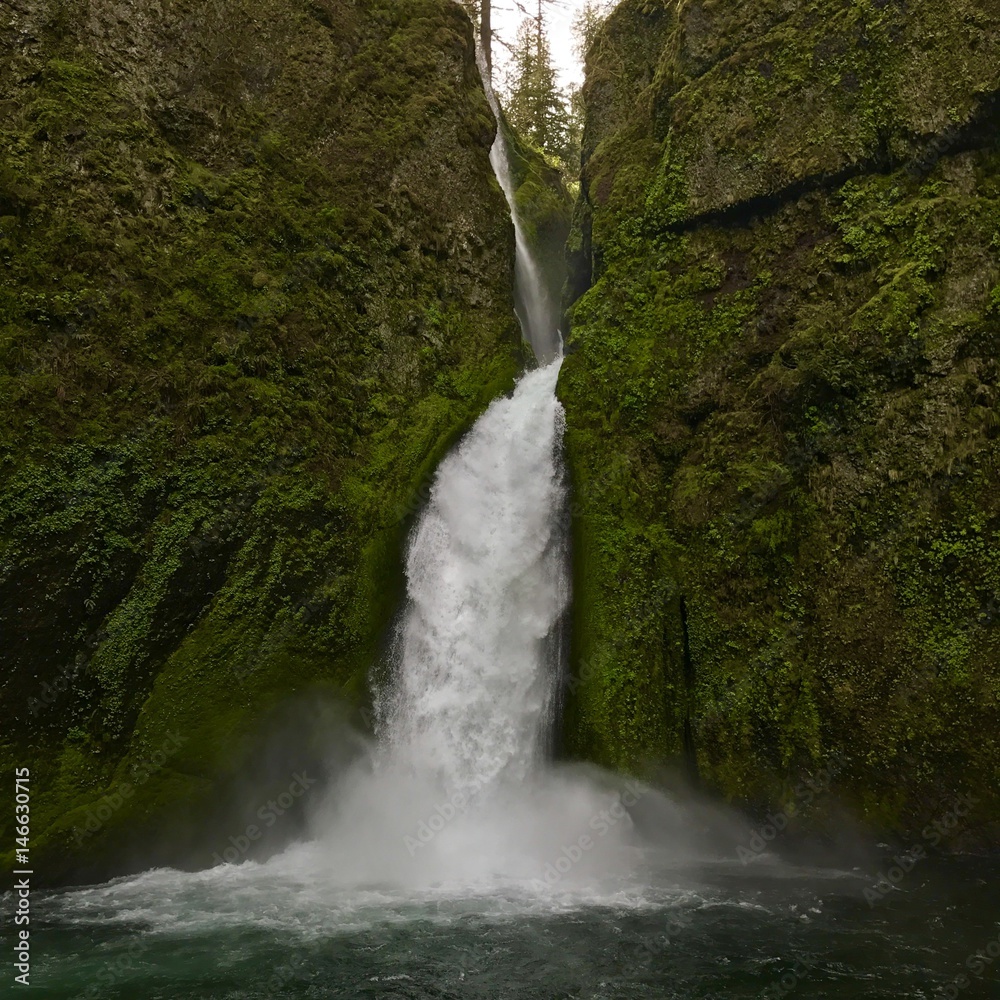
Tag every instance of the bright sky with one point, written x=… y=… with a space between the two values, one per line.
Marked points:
x=559 y=15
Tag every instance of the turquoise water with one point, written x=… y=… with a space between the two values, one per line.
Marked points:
x=711 y=929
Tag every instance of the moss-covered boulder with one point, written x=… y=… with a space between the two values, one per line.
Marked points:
x=783 y=401
x=239 y=325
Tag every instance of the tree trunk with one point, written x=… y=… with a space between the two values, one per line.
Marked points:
x=486 y=35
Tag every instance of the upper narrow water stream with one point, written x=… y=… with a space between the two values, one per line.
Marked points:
x=537 y=306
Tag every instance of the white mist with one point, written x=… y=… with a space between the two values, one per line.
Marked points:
x=459 y=790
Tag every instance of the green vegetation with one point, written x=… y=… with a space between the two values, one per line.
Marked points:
x=544 y=206
x=533 y=102
x=239 y=326
x=782 y=404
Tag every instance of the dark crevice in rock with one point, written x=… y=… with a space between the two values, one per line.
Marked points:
x=690 y=755
x=579 y=265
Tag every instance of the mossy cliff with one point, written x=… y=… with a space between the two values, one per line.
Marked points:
x=240 y=324
x=783 y=404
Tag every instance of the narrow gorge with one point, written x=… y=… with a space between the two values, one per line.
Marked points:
x=427 y=570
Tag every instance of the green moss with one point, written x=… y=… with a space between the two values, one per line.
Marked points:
x=758 y=99
x=238 y=329
x=544 y=208
x=787 y=356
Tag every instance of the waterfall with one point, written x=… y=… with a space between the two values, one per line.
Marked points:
x=537 y=311
x=458 y=789
x=486 y=585
x=474 y=690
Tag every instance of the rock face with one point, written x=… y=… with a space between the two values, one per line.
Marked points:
x=783 y=405
x=256 y=278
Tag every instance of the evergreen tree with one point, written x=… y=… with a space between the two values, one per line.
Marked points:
x=587 y=23
x=535 y=105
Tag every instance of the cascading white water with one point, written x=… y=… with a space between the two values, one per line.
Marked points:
x=456 y=801
x=486 y=576
x=536 y=311
x=457 y=793
x=487 y=583
x=427 y=844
